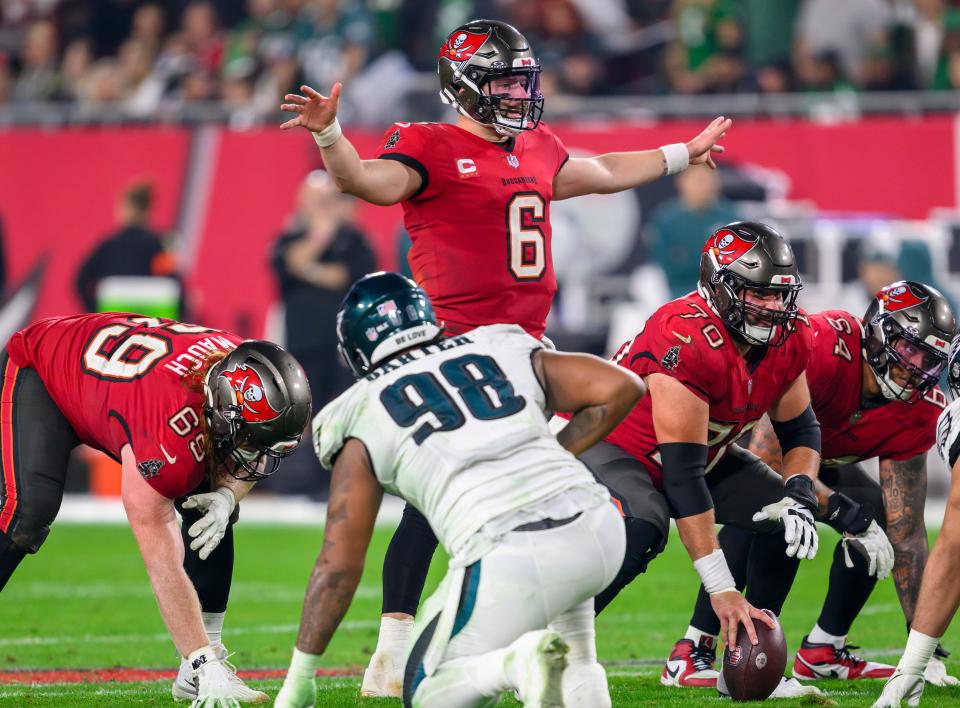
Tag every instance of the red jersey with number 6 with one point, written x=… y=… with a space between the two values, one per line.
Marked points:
x=118 y=379
x=687 y=340
x=851 y=431
x=480 y=222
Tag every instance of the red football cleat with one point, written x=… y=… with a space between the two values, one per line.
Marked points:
x=825 y=661
x=691 y=665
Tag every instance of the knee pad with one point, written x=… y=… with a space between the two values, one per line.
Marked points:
x=29 y=533
x=644 y=543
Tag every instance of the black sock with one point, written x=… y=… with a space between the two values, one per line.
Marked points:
x=210 y=577
x=735 y=543
x=847 y=592
x=770 y=572
x=407 y=562
x=10 y=557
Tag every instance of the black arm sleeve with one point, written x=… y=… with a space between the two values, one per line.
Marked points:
x=802 y=431
x=684 y=484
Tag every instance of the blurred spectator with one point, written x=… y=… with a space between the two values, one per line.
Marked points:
x=143 y=88
x=201 y=35
x=38 y=79
x=339 y=41
x=76 y=64
x=679 y=226
x=877 y=268
x=134 y=249
x=768 y=26
x=315 y=263
x=823 y=72
x=149 y=23
x=855 y=31
x=102 y=85
x=933 y=41
x=707 y=53
x=6 y=80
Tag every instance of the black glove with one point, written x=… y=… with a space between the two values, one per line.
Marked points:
x=800 y=489
x=846 y=515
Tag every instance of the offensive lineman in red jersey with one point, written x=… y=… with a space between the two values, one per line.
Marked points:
x=873 y=385
x=714 y=362
x=186 y=410
x=476 y=200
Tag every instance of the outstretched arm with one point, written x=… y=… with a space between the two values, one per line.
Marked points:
x=619 y=171
x=381 y=182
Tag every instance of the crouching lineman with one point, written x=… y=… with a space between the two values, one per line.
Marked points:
x=715 y=361
x=939 y=591
x=185 y=409
x=874 y=390
x=456 y=427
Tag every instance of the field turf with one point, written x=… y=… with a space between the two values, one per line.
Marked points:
x=84 y=603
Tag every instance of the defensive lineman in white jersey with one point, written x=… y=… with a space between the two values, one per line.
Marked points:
x=457 y=428
x=939 y=590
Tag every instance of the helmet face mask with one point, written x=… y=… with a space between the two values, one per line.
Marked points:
x=907 y=331
x=381 y=316
x=257 y=406
x=953 y=369
x=749 y=276
x=488 y=72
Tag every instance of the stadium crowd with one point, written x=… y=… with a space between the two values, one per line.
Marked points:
x=151 y=58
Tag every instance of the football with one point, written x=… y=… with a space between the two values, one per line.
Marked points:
x=752 y=672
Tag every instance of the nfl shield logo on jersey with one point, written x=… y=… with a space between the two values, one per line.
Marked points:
x=513 y=161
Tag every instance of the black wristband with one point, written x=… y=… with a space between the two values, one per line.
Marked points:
x=800 y=489
x=684 y=485
x=844 y=514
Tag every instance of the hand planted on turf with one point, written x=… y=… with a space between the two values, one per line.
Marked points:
x=314 y=110
x=898 y=688
x=214 y=688
x=702 y=147
x=936 y=674
x=296 y=692
x=874 y=545
x=733 y=609
x=209 y=530
x=799 y=528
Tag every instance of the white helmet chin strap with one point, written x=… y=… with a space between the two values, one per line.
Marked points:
x=758 y=335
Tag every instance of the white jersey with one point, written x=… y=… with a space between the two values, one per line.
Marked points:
x=948 y=433
x=457 y=429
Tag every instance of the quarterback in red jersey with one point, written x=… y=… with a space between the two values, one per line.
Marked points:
x=476 y=201
x=714 y=362
x=194 y=415
x=873 y=384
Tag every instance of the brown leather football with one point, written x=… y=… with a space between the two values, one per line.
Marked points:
x=752 y=672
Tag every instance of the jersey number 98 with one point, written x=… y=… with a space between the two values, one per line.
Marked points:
x=482 y=386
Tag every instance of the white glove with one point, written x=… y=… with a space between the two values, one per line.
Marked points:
x=936 y=674
x=208 y=531
x=799 y=528
x=214 y=687
x=900 y=687
x=874 y=545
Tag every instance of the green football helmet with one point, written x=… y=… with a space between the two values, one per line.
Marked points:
x=383 y=314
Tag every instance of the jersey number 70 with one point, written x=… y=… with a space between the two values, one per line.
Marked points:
x=482 y=386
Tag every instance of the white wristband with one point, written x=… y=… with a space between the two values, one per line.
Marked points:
x=304 y=665
x=714 y=573
x=917 y=653
x=329 y=135
x=677 y=157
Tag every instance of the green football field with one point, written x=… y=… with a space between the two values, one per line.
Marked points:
x=84 y=603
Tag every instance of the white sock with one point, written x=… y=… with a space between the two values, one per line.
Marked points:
x=917 y=653
x=394 y=634
x=696 y=635
x=819 y=636
x=576 y=628
x=213 y=624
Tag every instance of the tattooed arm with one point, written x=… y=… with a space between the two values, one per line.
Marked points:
x=355 y=496
x=904 y=487
x=598 y=393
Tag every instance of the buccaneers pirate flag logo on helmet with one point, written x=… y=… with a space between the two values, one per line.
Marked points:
x=251 y=396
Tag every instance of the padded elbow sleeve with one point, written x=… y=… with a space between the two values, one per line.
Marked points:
x=684 y=484
x=802 y=431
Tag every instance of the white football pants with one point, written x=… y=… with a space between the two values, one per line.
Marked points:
x=529 y=580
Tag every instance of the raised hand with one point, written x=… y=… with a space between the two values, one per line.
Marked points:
x=314 y=110
x=704 y=145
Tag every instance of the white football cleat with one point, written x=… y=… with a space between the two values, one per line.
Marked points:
x=585 y=686
x=535 y=664
x=383 y=677
x=788 y=688
x=186 y=685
